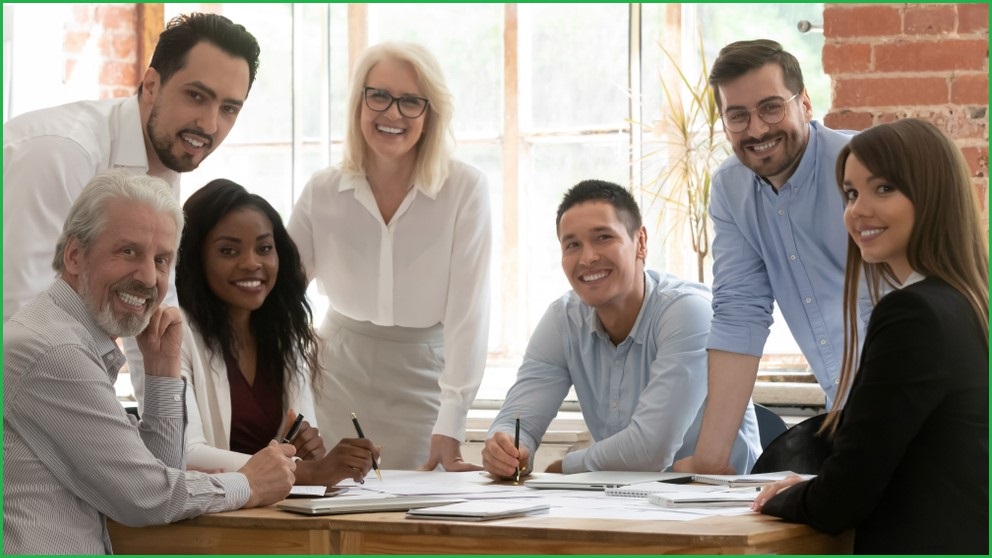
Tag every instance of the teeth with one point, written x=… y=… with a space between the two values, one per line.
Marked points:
x=194 y=142
x=248 y=284
x=132 y=300
x=389 y=130
x=764 y=146
x=871 y=232
x=594 y=277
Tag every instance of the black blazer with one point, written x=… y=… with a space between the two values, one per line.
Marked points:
x=909 y=470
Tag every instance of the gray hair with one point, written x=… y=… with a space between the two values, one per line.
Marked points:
x=87 y=216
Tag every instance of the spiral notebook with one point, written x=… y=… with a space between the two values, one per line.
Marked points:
x=647 y=489
x=599 y=480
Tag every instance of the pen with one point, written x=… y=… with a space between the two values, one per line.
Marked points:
x=516 y=445
x=358 y=429
x=293 y=430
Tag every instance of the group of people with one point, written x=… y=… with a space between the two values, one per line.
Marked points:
x=840 y=229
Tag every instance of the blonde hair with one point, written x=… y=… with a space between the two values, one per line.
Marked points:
x=436 y=143
x=947 y=240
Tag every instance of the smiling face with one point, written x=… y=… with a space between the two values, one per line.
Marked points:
x=240 y=261
x=188 y=116
x=124 y=275
x=604 y=265
x=390 y=136
x=772 y=151
x=878 y=217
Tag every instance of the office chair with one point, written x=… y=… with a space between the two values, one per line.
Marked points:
x=799 y=449
x=770 y=425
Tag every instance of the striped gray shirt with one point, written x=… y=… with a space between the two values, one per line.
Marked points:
x=72 y=456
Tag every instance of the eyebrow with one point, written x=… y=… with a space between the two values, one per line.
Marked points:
x=238 y=240
x=213 y=94
x=761 y=102
x=570 y=236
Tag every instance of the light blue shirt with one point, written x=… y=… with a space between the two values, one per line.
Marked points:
x=641 y=400
x=788 y=247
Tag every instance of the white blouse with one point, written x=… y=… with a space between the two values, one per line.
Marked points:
x=429 y=265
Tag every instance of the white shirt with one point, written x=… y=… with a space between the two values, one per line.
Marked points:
x=49 y=155
x=429 y=265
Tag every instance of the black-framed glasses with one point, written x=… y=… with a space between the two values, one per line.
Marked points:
x=380 y=100
x=771 y=111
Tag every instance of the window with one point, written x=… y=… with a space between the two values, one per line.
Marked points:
x=546 y=95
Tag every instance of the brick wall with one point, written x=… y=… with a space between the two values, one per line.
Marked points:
x=931 y=61
x=102 y=40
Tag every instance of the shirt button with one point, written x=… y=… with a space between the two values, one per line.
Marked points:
x=176 y=397
x=792 y=257
x=837 y=382
x=823 y=341
x=808 y=299
x=613 y=404
x=781 y=212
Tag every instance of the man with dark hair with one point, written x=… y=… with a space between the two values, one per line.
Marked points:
x=631 y=342
x=779 y=236
x=187 y=102
x=72 y=456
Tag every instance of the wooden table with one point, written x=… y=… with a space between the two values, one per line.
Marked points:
x=270 y=531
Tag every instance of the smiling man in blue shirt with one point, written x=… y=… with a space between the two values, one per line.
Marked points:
x=779 y=236
x=631 y=341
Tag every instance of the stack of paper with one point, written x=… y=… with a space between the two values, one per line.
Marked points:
x=757 y=479
x=478 y=510
x=704 y=499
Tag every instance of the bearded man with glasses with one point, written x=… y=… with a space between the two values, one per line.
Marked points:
x=779 y=237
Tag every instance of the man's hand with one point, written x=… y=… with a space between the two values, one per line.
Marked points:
x=447 y=452
x=554 y=467
x=270 y=474
x=161 y=342
x=501 y=459
x=351 y=459
x=308 y=443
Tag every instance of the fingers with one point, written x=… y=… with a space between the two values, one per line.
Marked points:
x=500 y=458
x=309 y=444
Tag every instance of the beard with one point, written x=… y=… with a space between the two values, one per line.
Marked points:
x=164 y=145
x=127 y=325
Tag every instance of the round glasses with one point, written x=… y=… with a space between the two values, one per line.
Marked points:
x=409 y=106
x=771 y=111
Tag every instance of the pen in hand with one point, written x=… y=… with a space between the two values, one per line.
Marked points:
x=293 y=430
x=358 y=429
x=516 y=445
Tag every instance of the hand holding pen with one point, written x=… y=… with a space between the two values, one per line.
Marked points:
x=358 y=430
x=505 y=457
x=309 y=445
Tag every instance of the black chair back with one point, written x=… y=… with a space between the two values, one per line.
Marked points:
x=770 y=425
x=799 y=449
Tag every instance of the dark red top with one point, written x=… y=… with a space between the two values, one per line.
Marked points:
x=256 y=410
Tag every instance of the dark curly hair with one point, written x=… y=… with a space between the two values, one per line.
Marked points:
x=283 y=324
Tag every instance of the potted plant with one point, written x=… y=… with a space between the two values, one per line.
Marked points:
x=690 y=140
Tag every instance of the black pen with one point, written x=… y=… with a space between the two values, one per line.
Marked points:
x=293 y=430
x=358 y=429
x=516 y=445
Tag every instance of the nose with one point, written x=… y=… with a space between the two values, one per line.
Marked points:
x=756 y=127
x=393 y=110
x=207 y=120
x=859 y=207
x=250 y=261
x=589 y=255
x=147 y=272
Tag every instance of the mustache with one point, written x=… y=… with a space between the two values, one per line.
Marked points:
x=135 y=288
x=762 y=139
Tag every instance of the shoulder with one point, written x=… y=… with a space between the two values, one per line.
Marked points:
x=830 y=141
x=731 y=170
x=686 y=299
x=86 y=123
x=464 y=177
x=327 y=178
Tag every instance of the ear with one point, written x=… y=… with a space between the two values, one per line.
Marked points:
x=74 y=256
x=150 y=84
x=807 y=105
x=642 y=243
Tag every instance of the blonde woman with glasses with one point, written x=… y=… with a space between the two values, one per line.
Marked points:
x=398 y=236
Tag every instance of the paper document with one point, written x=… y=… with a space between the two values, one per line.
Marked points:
x=704 y=499
x=308 y=490
x=478 y=510
x=746 y=480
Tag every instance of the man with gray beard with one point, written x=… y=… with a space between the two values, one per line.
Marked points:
x=72 y=456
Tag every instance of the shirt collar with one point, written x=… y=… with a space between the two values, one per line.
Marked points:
x=636 y=332
x=354 y=181
x=68 y=299
x=129 y=149
x=914 y=277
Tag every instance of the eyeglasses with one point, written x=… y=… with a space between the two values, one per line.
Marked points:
x=771 y=112
x=380 y=100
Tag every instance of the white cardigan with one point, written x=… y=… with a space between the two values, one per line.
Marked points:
x=208 y=404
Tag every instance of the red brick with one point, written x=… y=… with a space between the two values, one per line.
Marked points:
x=70 y=65
x=973 y=18
x=978 y=160
x=928 y=19
x=73 y=42
x=82 y=14
x=924 y=56
x=118 y=17
x=118 y=74
x=846 y=58
x=848 y=120
x=869 y=20
x=885 y=92
x=970 y=90
x=123 y=47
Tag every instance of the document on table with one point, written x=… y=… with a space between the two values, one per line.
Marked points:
x=756 y=479
x=477 y=510
x=469 y=485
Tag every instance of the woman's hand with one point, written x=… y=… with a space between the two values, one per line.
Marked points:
x=772 y=489
x=309 y=445
x=351 y=459
x=447 y=452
